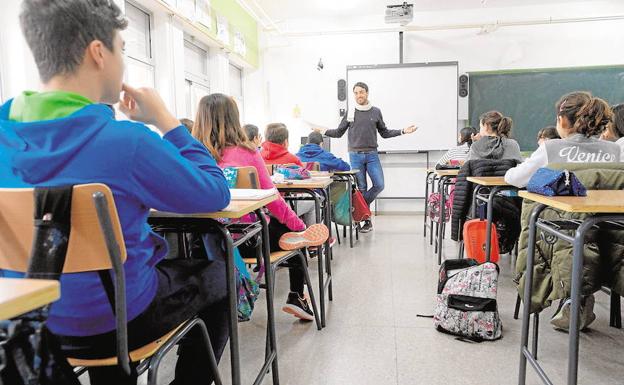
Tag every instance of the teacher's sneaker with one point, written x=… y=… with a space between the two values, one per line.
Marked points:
x=298 y=306
x=368 y=226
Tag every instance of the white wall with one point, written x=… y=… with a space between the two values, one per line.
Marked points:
x=291 y=78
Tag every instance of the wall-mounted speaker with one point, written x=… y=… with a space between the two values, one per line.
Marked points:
x=342 y=90
x=463 y=85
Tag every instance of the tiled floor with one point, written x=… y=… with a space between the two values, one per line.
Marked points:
x=374 y=337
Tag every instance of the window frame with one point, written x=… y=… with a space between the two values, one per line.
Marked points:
x=147 y=61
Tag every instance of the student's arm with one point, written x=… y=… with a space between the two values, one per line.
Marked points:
x=340 y=131
x=176 y=173
x=519 y=176
x=279 y=208
x=384 y=131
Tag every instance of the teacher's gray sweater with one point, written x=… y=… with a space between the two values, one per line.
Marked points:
x=363 y=130
x=576 y=148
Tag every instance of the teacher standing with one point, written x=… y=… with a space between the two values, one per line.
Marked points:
x=363 y=121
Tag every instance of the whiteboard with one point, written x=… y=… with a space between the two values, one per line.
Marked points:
x=421 y=94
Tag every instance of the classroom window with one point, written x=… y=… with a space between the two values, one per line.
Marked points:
x=236 y=87
x=139 y=60
x=196 y=67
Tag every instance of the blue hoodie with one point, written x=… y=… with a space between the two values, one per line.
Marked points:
x=174 y=173
x=327 y=160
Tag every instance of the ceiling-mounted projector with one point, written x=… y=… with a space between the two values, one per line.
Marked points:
x=401 y=13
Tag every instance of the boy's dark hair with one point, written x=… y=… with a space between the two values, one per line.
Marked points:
x=586 y=114
x=315 y=138
x=362 y=85
x=549 y=132
x=251 y=130
x=59 y=31
x=465 y=135
x=276 y=133
x=188 y=123
x=499 y=124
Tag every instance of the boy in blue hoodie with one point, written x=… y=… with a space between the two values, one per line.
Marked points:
x=313 y=152
x=64 y=135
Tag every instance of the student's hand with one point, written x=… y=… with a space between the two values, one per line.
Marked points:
x=145 y=105
x=410 y=129
x=319 y=130
x=476 y=136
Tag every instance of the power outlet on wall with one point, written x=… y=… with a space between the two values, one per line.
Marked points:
x=342 y=112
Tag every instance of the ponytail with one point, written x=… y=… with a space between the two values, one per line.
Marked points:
x=586 y=114
x=499 y=124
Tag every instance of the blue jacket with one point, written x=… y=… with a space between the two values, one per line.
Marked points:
x=327 y=160
x=173 y=173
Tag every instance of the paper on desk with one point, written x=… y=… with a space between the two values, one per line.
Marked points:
x=241 y=194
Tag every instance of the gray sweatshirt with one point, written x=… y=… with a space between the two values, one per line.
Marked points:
x=363 y=130
x=495 y=147
x=576 y=148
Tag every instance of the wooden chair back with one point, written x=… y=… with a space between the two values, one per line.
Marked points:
x=87 y=250
x=247 y=177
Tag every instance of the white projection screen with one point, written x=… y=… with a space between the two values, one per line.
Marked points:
x=421 y=94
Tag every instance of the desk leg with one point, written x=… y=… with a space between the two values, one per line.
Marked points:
x=330 y=253
x=440 y=226
x=232 y=300
x=425 y=209
x=528 y=292
x=266 y=256
x=320 y=256
x=488 y=229
x=350 y=184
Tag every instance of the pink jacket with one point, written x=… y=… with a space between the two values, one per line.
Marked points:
x=279 y=209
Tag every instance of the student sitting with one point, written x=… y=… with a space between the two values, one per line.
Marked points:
x=615 y=130
x=547 y=133
x=313 y=152
x=64 y=136
x=218 y=128
x=459 y=153
x=253 y=134
x=275 y=148
x=581 y=118
x=492 y=141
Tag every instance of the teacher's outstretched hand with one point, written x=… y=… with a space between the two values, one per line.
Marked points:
x=409 y=130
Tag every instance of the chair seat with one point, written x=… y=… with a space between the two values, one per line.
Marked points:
x=275 y=256
x=139 y=354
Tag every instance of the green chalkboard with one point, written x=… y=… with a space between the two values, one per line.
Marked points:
x=529 y=96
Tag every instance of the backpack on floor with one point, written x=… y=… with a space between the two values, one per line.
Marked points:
x=434 y=207
x=475 y=235
x=361 y=211
x=466 y=300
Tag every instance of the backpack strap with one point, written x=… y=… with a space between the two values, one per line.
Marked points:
x=52 y=216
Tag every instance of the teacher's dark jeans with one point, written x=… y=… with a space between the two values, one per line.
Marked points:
x=368 y=163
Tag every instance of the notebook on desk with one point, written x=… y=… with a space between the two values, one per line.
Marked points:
x=243 y=194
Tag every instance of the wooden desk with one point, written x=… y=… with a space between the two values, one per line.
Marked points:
x=454 y=172
x=321 y=174
x=313 y=183
x=19 y=296
x=235 y=209
x=349 y=172
x=488 y=180
x=596 y=201
x=602 y=206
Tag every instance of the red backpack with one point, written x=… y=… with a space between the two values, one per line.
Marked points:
x=474 y=240
x=361 y=211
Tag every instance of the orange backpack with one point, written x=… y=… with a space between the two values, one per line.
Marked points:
x=474 y=240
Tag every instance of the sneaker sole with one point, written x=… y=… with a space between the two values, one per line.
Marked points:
x=314 y=235
x=297 y=312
